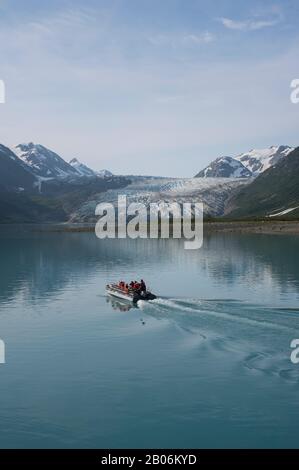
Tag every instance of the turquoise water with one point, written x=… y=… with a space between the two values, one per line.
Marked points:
x=206 y=365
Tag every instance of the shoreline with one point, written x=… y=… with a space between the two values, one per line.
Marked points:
x=262 y=227
x=257 y=227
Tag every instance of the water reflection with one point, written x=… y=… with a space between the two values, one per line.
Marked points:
x=41 y=265
x=210 y=357
x=118 y=305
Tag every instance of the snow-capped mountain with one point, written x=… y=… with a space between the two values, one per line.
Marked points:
x=84 y=170
x=274 y=193
x=259 y=160
x=81 y=168
x=104 y=173
x=246 y=164
x=225 y=167
x=14 y=174
x=48 y=165
x=44 y=162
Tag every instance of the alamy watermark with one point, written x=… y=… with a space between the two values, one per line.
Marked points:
x=2 y=352
x=295 y=352
x=295 y=91
x=156 y=220
x=2 y=92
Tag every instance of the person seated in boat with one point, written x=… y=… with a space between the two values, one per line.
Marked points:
x=142 y=286
x=131 y=286
x=137 y=286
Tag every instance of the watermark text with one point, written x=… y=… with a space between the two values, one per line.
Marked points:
x=156 y=220
x=295 y=93
x=2 y=92
x=2 y=352
x=295 y=352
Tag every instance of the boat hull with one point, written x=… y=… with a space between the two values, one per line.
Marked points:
x=130 y=296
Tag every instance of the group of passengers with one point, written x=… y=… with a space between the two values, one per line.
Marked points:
x=133 y=286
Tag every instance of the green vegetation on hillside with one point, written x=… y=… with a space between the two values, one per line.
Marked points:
x=274 y=191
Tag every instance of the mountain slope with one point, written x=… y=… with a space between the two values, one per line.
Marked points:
x=104 y=173
x=27 y=208
x=57 y=201
x=259 y=160
x=43 y=162
x=246 y=164
x=224 y=167
x=82 y=169
x=14 y=175
x=276 y=191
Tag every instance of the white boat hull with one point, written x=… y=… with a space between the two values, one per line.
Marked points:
x=120 y=295
x=115 y=291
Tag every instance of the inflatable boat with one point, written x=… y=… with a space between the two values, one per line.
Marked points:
x=128 y=294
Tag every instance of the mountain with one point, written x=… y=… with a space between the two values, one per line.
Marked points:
x=57 y=202
x=259 y=160
x=82 y=169
x=86 y=171
x=104 y=173
x=247 y=164
x=44 y=162
x=275 y=192
x=37 y=185
x=225 y=167
x=14 y=174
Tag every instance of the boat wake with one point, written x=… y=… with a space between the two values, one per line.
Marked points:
x=256 y=337
x=228 y=310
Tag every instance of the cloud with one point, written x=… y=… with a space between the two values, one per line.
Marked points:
x=182 y=40
x=114 y=99
x=203 y=38
x=249 y=25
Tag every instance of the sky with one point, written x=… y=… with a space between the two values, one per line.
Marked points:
x=158 y=87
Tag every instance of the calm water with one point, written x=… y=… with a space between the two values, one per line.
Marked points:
x=206 y=365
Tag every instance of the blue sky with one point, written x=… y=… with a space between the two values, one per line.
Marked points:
x=146 y=86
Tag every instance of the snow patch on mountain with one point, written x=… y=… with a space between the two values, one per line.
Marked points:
x=104 y=173
x=14 y=173
x=284 y=212
x=39 y=182
x=82 y=169
x=225 y=167
x=245 y=165
x=259 y=160
x=44 y=162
